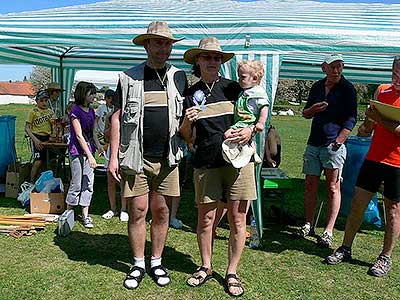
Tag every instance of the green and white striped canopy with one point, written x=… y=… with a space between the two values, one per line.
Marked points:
x=98 y=36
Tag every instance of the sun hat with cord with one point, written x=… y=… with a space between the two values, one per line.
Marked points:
x=236 y=154
x=156 y=30
x=208 y=44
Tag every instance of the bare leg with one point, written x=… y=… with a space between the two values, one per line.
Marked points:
x=206 y=217
x=237 y=238
x=334 y=197
x=85 y=211
x=36 y=167
x=138 y=207
x=111 y=192
x=221 y=211
x=123 y=203
x=159 y=223
x=359 y=204
x=392 y=226
x=174 y=207
x=310 y=197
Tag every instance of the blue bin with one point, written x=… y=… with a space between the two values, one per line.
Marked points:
x=357 y=148
x=7 y=144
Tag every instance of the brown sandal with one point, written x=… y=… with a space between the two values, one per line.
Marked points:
x=236 y=284
x=199 y=276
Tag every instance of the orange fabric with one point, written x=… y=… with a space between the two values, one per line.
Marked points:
x=385 y=145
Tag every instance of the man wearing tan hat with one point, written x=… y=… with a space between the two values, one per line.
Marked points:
x=55 y=90
x=146 y=147
x=332 y=104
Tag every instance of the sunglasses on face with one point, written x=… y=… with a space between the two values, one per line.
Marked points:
x=216 y=58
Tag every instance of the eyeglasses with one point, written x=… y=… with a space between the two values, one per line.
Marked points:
x=216 y=58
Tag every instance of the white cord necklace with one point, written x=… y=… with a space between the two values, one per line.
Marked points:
x=162 y=80
x=210 y=88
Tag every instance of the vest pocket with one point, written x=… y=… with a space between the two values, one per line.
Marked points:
x=131 y=112
x=178 y=106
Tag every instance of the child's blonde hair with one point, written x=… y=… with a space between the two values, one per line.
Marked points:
x=256 y=68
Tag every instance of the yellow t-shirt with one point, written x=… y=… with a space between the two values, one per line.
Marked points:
x=40 y=120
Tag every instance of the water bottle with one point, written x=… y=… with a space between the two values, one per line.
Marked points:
x=254 y=237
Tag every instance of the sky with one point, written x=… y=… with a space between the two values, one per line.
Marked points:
x=17 y=72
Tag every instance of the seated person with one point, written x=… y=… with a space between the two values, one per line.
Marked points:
x=272 y=158
x=38 y=128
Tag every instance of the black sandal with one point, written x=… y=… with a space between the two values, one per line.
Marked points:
x=138 y=279
x=201 y=279
x=156 y=277
x=236 y=284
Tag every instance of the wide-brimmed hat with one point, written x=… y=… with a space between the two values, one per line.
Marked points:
x=330 y=58
x=156 y=30
x=236 y=154
x=208 y=44
x=54 y=86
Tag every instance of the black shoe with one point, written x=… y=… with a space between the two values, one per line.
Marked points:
x=341 y=254
x=325 y=240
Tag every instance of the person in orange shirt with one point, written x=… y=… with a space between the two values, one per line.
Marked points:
x=382 y=164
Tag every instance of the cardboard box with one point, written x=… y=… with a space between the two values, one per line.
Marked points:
x=16 y=174
x=47 y=203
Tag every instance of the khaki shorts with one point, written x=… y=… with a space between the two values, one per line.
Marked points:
x=212 y=185
x=158 y=177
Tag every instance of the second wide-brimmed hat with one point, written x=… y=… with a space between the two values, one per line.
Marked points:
x=156 y=30
x=207 y=44
x=236 y=154
x=54 y=86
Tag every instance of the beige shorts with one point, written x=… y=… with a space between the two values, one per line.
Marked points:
x=212 y=185
x=157 y=176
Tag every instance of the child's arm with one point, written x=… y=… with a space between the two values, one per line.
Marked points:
x=82 y=142
x=96 y=142
x=35 y=140
x=261 y=119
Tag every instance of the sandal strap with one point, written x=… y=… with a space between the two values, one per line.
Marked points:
x=232 y=276
x=162 y=268
x=137 y=278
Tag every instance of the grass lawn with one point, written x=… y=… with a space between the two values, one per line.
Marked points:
x=91 y=264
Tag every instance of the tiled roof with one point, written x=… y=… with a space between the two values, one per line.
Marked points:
x=18 y=88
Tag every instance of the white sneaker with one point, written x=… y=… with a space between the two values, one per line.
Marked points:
x=123 y=216
x=108 y=215
x=87 y=222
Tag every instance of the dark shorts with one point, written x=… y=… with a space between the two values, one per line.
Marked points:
x=372 y=174
x=39 y=154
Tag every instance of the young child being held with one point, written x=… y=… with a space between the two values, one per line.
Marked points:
x=82 y=146
x=251 y=108
x=38 y=127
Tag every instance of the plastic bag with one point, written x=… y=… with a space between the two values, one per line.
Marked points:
x=41 y=182
x=53 y=185
x=372 y=213
x=24 y=196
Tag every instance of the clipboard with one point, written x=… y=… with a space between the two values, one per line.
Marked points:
x=388 y=111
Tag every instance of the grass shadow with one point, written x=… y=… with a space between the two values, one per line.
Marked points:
x=113 y=251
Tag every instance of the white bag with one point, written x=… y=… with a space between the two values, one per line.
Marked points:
x=66 y=222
